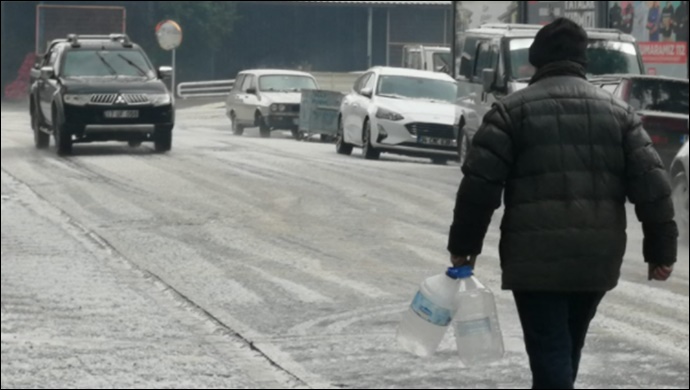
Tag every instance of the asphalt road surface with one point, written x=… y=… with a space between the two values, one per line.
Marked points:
x=249 y=262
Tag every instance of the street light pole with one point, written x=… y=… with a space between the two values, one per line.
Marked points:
x=3 y=54
x=454 y=40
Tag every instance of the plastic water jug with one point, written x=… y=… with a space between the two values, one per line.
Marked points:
x=432 y=311
x=477 y=330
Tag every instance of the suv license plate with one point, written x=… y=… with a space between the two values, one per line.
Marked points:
x=437 y=141
x=122 y=114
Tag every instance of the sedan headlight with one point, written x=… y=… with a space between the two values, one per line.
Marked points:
x=163 y=99
x=382 y=113
x=77 y=100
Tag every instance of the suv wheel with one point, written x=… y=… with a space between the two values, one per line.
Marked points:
x=63 y=138
x=369 y=152
x=680 y=202
x=341 y=146
x=163 y=140
x=236 y=128
x=41 y=138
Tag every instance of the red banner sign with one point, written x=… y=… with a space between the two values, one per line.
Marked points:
x=664 y=52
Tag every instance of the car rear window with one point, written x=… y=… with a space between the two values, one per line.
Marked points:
x=659 y=95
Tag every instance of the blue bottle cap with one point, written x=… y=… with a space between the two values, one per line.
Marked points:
x=460 y=273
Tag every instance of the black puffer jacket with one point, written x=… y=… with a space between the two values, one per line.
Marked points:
x=568 y=155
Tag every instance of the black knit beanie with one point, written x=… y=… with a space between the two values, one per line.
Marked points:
x=562 y=40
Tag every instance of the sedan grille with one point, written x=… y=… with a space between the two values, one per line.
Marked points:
x=432 y=130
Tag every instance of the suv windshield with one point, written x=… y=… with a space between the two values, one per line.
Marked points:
x=104 y=63
x=417 y=88
x=286 y=83
x=605 y=57
x=659 y=95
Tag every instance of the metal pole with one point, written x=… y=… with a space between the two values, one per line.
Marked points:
x=370 y=37
x=388 y=37
x=453 y=41
x=174 y=72
x=3 y=27
x=445 y=27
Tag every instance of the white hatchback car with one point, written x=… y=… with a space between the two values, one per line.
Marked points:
x=403 y=111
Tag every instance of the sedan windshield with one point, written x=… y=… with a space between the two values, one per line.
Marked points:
x=102 y=63
x=401 y=87
x=605 y=57
x=280 y=83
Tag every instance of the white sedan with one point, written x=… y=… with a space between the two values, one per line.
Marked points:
x=403 y=111
x=679 y=175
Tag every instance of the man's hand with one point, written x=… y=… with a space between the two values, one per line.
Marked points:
x=463 y=261
x=660 y=273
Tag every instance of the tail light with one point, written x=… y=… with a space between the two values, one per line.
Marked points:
x=654 y=124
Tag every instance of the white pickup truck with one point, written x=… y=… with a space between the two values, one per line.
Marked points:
x=429 y=58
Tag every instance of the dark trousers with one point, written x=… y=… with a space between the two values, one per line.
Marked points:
x=555 y=327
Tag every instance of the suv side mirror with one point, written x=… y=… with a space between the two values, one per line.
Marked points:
x=165 y=72
x=367 y=92
x=252 y=91
x=47 y=72
x=488 y=80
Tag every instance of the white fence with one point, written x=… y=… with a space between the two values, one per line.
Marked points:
x=205 y=89
x=339 y=82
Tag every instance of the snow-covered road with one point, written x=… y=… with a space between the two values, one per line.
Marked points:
x=240 y=262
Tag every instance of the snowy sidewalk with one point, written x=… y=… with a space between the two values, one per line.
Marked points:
x=74 y=314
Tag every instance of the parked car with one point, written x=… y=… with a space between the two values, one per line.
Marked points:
x=679 y=174
x=403 y=111
x=268 y=99
x=97 y=89
x=662 y=102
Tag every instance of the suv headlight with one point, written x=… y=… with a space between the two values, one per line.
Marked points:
x=162 y=99
x=382 y=113
x=274 y=107
x=77 y=100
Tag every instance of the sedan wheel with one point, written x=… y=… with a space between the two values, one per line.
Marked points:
x=236 y=128
x=680 y=202
x=369 y=152
x=341 y=146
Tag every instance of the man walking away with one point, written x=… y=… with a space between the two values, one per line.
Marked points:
x=568 y=155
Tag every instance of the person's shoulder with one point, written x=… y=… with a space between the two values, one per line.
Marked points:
x=558 y=89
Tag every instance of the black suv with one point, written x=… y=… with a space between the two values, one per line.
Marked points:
x=97 y=89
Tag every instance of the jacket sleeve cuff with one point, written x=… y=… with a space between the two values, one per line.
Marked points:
x=661 y=243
